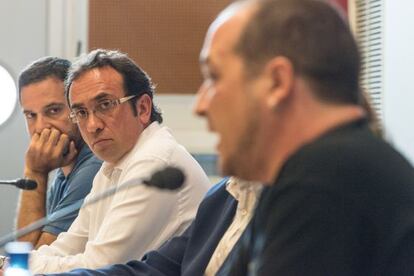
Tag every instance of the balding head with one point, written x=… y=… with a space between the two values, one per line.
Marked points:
x=314 y=36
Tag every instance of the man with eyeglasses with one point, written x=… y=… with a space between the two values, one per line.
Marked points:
x=55 y=144
x=111 y=101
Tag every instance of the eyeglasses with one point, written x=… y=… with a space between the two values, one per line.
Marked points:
x=103 y=108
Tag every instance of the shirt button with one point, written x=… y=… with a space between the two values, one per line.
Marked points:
x=243 y=212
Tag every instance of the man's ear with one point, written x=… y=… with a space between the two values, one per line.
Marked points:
x=281 y=74
x=144 y=107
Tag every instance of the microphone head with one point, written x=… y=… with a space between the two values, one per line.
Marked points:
x=170 y=178
x=26 y=184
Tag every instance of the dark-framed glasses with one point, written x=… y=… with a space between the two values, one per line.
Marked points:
x=102 y=108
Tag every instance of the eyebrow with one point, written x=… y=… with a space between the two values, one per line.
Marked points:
x=25 y=111
x=45 y=107
x=53 y=105
x=99 y=97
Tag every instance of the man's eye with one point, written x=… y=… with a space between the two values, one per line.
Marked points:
x=53 y=111
x=29 y=115
x=81 y=113
x=213 y=77
x=104 y=105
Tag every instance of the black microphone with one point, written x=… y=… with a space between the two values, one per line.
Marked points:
x=168 y=178
x=21 y=183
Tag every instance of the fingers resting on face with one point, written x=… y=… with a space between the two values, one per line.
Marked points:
x=50 y=149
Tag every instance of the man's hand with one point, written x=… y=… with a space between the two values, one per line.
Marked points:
x=49 y=150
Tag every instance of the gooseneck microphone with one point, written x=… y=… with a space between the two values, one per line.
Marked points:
x=169 y=178
x=21 y=183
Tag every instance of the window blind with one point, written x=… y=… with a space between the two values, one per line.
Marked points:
x=369 y=34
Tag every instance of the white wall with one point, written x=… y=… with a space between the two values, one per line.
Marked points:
x=399 y=74
x=67 y=27
x=23 y=39
x=189 y=130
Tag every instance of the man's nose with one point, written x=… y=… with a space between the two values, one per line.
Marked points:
x=42 y=123
x=202 y=99
x=93 y=123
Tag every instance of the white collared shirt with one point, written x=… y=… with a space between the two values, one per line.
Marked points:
x=134 y=220
x=246 y=193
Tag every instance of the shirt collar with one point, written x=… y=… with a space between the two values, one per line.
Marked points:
x=83 y=153
x=108 y=169
x=237 y=187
